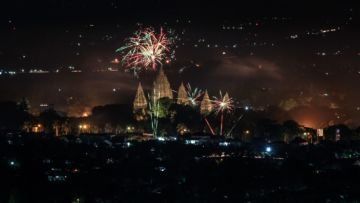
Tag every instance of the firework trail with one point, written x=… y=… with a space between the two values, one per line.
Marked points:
x=154 y=106
x=208 y=124
x=233 y=127
x=146 y=50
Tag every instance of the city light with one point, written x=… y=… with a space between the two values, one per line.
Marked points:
x=224 y=144
x=85 y=114
x=84 y=128
x=161 y=139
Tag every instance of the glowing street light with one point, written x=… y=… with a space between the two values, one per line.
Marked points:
x=84 y=127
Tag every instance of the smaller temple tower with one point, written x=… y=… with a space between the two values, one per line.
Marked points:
x=140 y=102
x=182 y=96
x=206 y=106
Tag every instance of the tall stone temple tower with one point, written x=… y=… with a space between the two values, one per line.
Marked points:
x=161 y=89
x=162 y=86
x=182 y=97
x=140 y=102
x=206 y=105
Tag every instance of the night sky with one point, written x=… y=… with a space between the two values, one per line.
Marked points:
x=301 y=57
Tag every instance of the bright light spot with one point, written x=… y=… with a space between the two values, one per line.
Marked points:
x=191 y=142
x=224 y=144
x=115 y=61
x=84 y=126
x=162 y=139
x=268 y=149
x=162 y=169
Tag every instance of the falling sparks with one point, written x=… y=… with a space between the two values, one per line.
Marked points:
x=146 y=50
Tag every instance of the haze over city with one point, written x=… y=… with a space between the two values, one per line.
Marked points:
x=274 y=54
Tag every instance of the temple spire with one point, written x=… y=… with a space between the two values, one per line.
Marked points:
x=182 y=97
x=162 y=86
x=140 y=101
x=206 y=106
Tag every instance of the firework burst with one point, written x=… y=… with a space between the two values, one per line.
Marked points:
x=146 y=49
x=193 y=95
x=223 y=103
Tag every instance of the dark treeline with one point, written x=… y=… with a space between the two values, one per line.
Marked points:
x=174 y=119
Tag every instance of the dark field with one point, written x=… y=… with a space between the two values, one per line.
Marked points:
x=113 y=169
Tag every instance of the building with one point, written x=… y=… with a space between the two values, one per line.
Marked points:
x=206 y=106
x=162 y=87
x=182 y=97
x=140 y=102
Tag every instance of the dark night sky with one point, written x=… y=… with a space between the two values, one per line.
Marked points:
x=303 y=57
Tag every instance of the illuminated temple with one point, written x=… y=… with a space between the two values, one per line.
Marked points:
x=162 y=89
x=182 y=96
x=206 y=106
x=140 y=102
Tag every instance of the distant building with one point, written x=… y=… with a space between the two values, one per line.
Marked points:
x=162 y=87
x=182 y=97
x=140 y=101
x=320 y=132
x=206 y=106
x=140 y=104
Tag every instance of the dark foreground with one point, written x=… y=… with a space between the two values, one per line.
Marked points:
x=105 y=169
